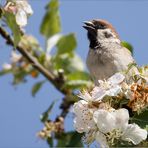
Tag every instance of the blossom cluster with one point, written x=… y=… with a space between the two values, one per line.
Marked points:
x=21 y=9
x=101 y=117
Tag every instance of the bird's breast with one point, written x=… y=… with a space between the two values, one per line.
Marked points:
x=102 y=63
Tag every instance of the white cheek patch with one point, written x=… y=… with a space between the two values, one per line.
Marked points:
x=101 y=36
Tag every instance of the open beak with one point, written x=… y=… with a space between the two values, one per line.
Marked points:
x=89 y=26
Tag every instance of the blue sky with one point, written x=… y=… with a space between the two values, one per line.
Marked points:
x=19 y=111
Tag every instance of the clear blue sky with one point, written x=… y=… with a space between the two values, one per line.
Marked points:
x=19 y=112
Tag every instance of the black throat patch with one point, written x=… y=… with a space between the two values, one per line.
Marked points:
x=94 y=44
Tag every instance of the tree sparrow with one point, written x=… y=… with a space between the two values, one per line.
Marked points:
x=106 y=55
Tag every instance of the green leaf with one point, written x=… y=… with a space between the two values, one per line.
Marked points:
x=19 y=75
x=51 y=21
x=77 y=80
x=78 y=75
x=66 y=44
x=50 y=141
x=68 y=63
x=141 y=119
x=1 y=12
x=128 y=46
x=42 y=58
x=11 y=22
x=77 y=84
x=45 y=115
x=37 y=87
x=52 y=42
x=3 y=72
x=70 y=139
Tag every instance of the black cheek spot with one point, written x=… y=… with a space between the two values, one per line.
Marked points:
x=107 y=35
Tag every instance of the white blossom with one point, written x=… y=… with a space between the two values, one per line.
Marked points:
x=122 y=118
x=134 y=134
x=118 y=120
x=83 y=121
x=24 y=9
x=99 y=121
x=111 y=87
x=98 y=93
x=105 y=120
x=21 y=9
x=21 y=18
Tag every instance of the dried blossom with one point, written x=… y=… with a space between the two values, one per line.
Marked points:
x=138 y=97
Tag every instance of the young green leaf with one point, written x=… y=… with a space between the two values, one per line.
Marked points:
x=18 y=76
x=77 y=84
x=70 y=139
x=11 y=22
x=128 y=46
x=45 y=115
x=78 y=75
x=5 y=71
x=50 y=141
x=141 y=119
x=77 y=80
x=1 y=12
x=51 y=21
x=69 y=63
x=37 y=87
x=66 y=44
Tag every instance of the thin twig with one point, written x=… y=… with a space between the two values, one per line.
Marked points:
x=52 y=78
x=33 y=61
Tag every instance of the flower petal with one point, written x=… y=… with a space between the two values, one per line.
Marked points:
x=113 y=91
x=105 y=120
x=116 y=78
x=98 y=93
x=27 y=8
x=78 y=106
x=21 y=18
x=24 y=5
x=85 y=96
x=101 y=139
x=90 y=136
x=134 y=133
x=122 y=118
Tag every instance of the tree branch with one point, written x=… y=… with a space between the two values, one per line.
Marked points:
x=33 y=61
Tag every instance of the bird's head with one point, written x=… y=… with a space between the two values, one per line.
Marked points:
x=100 y=31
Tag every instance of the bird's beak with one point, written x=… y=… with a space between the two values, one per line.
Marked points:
x=89 y=26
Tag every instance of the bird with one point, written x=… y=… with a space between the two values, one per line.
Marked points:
x=106 y=55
